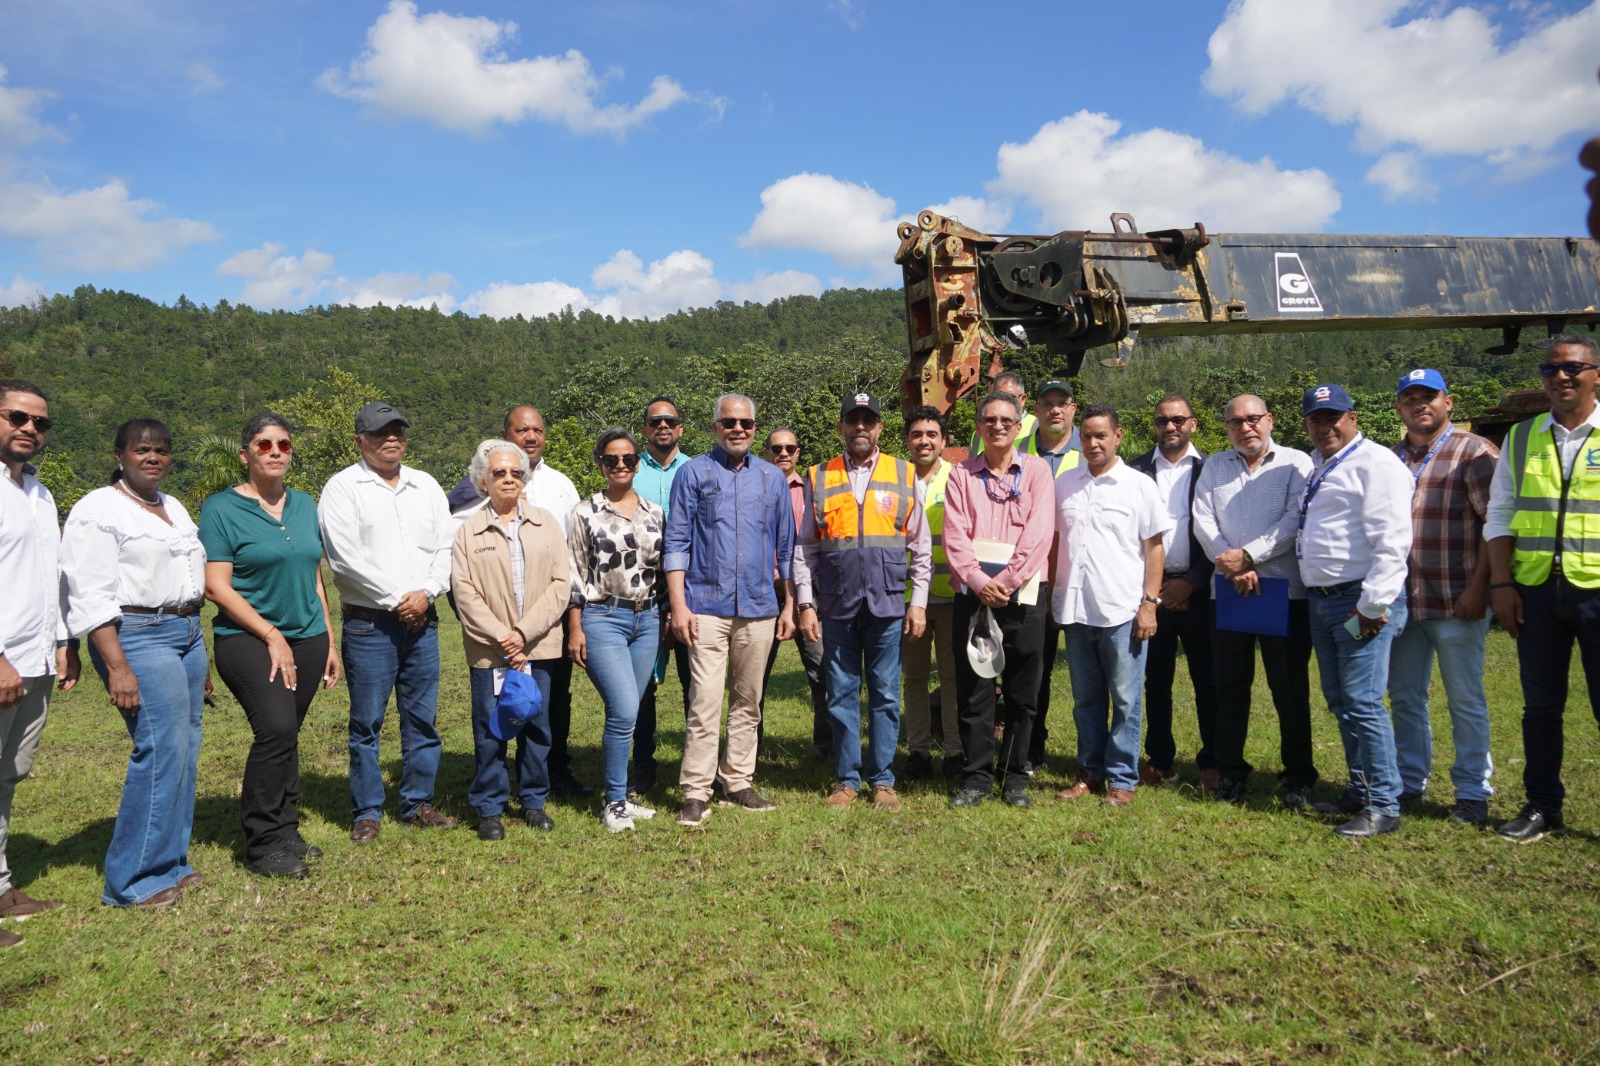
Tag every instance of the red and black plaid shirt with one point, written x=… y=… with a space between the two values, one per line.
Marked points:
x=1447 y=512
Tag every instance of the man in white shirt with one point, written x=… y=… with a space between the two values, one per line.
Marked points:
x=1110 y=525
x=34 y=651
x=1246 y=512
x=1354 y=539
x=386 y=529
x=1185 y=612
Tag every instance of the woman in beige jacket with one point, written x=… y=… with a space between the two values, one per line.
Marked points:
x=509 y=575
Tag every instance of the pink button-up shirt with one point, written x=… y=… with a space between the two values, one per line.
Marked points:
x=1017 y=508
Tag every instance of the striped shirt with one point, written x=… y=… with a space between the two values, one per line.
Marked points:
x=1257 y=510
x=1448 y=507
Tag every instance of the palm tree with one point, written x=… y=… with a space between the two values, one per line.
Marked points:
x=212 y=465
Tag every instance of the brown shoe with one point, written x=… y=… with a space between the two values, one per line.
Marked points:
x=426 y=817
x=14 y=904
x=841 y=796
x=165 y=898
x=9 y=939
x=1118 y=797
x=192 y=880
x=1209 y=778
x=364 y=831
x=1152 y=774
x=884 y=798
x=693 y=812
x=1079 y=788
x=749 y=799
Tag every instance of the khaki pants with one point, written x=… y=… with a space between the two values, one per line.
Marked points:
x=729 y=656
x=915 y=658
x=20 y=727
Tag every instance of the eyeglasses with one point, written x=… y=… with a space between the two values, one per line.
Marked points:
x=671 y=421
x=263 y=446
x=737 y=423
x=1163 y=421
x=783 y=449
x=1244 y=420
x=506 y=471
x=18 y=419
x=1549 y=370
x=997 y=421
x=627 y=459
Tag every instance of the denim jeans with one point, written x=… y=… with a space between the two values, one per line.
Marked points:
x=622 y=647
x=1459 y=645
x=149 y=848
x=1107 y=665
x=491 y=781
x=380 y=657
x=863 y=648
x=1355 y=674
x=1556 y=615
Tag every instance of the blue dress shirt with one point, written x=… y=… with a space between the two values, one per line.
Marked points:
x=728 y=527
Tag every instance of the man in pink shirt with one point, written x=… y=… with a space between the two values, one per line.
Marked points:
x=1000 y=506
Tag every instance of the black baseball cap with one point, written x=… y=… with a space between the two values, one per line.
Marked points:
x=376 y=415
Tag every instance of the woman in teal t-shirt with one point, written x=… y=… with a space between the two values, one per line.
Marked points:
x=263 y=571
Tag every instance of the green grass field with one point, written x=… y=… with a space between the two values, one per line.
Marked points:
x=1177 y=930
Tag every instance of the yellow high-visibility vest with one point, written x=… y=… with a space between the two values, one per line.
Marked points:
x=1552 y=518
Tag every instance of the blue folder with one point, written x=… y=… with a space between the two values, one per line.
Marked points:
x=1266 y=615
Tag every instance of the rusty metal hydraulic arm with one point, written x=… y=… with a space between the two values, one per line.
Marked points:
x=971 y=296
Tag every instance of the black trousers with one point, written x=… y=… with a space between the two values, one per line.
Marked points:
x=1192 y=629
x=559 y=764
x=1288 y=664
x=1555 y=615
x=269 y=802
x=811 y=661
x=644 y=728
x=1047 y=667
x=1022 y=632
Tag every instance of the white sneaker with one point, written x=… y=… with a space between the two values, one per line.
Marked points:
x=615 y=818
x=639 y=811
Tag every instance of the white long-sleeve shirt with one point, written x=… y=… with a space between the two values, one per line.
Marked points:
x=1502 y=490
x=30 y=546
x=1358 y=525
x=115 y=553
x=384 y=542
x=1257 y=510
x=549 y=488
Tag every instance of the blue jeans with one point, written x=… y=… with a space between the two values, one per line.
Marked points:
x=1107 y=667
x=381 y=657
x=149 y=848
x=1355 y=674
x=491 y=780
x=867 y=647
x=622 y=646
x=1459 y=645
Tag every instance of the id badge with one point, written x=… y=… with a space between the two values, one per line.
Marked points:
x=1299 y=548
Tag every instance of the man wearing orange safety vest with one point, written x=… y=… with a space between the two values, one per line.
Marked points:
x=863 y=515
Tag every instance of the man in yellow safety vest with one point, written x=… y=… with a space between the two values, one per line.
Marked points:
x=925 y=439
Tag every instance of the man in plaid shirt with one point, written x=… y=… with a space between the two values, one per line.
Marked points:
x=1447 y=588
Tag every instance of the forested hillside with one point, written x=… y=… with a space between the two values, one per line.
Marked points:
x=107 y=356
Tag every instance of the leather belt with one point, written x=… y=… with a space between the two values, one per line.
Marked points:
x=624 y=604
x=1334 y=590
x=182 y=611
x=373 y=614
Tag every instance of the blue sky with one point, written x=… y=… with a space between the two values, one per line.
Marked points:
x=642 y=157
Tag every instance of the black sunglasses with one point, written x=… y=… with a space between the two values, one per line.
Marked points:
x=737 y=423
x=1163 y=421
x=783 y=449
x=665 y=420
x=18 y=419
x=627 y=459
x=1549 y=370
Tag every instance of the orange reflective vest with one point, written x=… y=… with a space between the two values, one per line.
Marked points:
x=862 y=547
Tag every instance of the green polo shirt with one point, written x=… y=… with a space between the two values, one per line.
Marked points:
x=275 y=564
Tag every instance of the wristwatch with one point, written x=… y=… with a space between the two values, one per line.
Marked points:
x=1153 y=599
x=805 y=607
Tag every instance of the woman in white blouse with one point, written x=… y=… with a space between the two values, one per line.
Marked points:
x=135 y=579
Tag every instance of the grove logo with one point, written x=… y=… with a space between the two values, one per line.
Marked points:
x=1295 y=292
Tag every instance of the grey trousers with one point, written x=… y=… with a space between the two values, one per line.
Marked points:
x=20 y=727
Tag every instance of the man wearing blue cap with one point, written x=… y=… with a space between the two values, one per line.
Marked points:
x=1447 y=590
x=1354 y=537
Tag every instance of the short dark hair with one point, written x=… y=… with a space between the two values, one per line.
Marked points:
x=1000 y=397
x=1009 y=375
x=925 y=413
x=1176 y=397
x=135 y=431
x=1101 y=410
x=662 y=399
x=781 y=429
x=18 y=385
x=259 y=422
x=505 y=423
x=1579 y=339
x=609 y=437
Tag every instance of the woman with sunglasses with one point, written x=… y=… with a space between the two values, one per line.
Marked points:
x=134 y=572
x=270 y=635
x=508 y=572
x=613 y=623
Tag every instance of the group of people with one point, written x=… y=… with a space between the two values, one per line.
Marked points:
x=1377 y=558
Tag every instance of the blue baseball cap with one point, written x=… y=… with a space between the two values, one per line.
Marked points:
x=520 y=701
x=1326 y=398
x=1427 y=377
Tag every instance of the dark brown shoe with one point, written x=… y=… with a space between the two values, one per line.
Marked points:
x=1118 y=797
x=693 y=812
x=192 y=880
x=1155 y=775
x=165 y=898
x=14 y=904
x=748 y=799
x=9 y=939
x=426 y=817
x=1080 y=788
x=364 y=831
x=1209 y=778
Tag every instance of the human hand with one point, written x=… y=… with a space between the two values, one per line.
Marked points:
x=1247 y=583
x=1471 y=604
x=916 y=622
x=123 y=688
x=330 y=669
x=68 y=666
x=1507 y=603
x=1144 y=623
x=280 y=660
x=811 y=625
x=578 y=645
x=1175 y=594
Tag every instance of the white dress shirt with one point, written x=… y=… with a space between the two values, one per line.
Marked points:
x=30 y=545
x=384 y=542
x=1358 y=525
x=1101 y=526
x=1257 y=510
x=115 y=553
x=549 y=488
x=1172 y=481
x=1502 y=490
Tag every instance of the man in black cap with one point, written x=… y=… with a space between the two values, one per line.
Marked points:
x=862 y=515
x=386 y=529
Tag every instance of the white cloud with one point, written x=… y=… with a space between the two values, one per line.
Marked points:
x=203 y=77
x=849 y=11
x=272 y=279
x=95 y=229
x=1076 y=171
x=451 y=70
x=1401 y=177
x=505 y=299
x=764 y=288
x=21 y=292
x=852 y=223
x=1442 y=83
x=19 y=115
x=398 y=290
x=986 y=216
